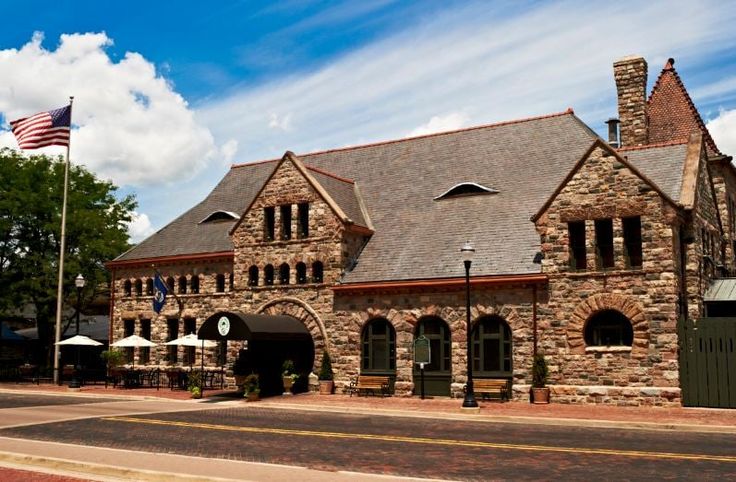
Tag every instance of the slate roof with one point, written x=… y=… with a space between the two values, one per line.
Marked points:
x=344 y=193
x=663 y=165
x=415 y=236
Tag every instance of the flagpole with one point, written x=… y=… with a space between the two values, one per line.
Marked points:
x=59 y=290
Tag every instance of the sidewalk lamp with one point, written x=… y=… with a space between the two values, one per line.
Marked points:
x=79 y=283
x=467 y=252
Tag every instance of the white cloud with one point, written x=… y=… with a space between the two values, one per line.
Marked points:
x=723 y=130
x=480 y=60
x=449 y=122
x=132 y=127
x=139 y=227
x=228 y=150
x=281 y=123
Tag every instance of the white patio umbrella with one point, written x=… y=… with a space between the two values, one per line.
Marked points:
x=192 y=340
x=133 y=341
x=79 y=340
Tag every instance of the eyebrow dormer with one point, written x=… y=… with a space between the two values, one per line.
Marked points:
x=219 y=216
x=466 y=189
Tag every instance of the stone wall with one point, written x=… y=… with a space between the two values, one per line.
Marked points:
x=604 y=187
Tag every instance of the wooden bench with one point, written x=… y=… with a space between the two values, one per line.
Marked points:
x=370 y=384
x=487 y=386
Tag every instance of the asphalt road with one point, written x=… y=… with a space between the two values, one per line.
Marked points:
x=417 y=447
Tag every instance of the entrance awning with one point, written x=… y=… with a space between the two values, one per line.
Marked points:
x=721 y=290
x=234 y=325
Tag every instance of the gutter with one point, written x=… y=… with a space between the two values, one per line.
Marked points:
x=440 y=283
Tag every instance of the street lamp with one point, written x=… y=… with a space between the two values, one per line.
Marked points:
x=79 y=283
x=467 y=252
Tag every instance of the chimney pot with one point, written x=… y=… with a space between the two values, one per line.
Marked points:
x=613 y=124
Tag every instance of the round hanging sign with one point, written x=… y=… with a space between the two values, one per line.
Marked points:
x=223 y=326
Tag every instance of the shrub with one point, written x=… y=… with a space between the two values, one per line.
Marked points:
x=325 y=371
x=540 y=372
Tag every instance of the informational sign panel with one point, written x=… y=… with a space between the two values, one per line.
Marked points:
x=422 y=353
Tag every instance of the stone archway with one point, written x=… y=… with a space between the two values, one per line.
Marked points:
x=300 y=310
x=596 y=303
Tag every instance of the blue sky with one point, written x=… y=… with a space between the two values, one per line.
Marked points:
x=169 y=94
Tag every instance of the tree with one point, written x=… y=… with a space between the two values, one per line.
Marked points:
x=30 y=234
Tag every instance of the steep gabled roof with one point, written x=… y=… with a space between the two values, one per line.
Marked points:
x=664 y=164
x=345 y=193
x=671 y=112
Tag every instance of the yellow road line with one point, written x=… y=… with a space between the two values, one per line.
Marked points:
x=428 y=441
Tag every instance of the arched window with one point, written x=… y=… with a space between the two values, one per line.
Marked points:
x=127 y=288
x=608 y=328
x=253 y=276
x=268 y=275
x=149 y=287
x=182 y=285
x=220 y=283
x=491 y=347
x=170 y=283
x=438 y=333
x=284 y=274
x=317 y=272
x=301 y=273
x=378 y=347
x=195 y=284
x=138 y=287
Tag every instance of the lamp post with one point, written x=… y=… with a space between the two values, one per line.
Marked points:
x=79 y=283
x=467 y=252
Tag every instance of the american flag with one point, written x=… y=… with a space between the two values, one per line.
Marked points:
x=44 y=129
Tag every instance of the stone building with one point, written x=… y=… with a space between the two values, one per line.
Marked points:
x=587 y=251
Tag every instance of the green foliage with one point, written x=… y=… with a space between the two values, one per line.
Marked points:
x=30 y=227
x=287 y=368
x=540 y=372
x=251 y=384
x=325 y=371
x=113 y=357
x=196 y=392
x=194 y=380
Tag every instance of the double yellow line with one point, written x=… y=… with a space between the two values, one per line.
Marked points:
x=428 y=441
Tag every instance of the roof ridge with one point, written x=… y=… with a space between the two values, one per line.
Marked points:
x=569 y=111
x=654 y=146
x=329 y=174
x=436 y=134
x=669 y=67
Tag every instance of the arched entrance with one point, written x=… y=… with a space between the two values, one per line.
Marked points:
x=492 y=348
x=438 y=374
x=271 y=339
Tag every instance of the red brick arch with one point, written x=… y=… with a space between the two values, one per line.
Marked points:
x=625 y=305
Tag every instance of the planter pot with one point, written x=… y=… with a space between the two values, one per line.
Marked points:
x=325 y=387
x=288 y=383
x=252 y=397
x=541 y=395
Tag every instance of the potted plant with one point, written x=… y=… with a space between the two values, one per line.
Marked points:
x=194 y=384
x=288 y=376
x=240 y=371
x=252 y=389
x=325 y=377
x=540 y=372
x=113 y=358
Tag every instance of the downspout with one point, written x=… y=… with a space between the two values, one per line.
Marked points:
x=534 y=317
x=112 y=306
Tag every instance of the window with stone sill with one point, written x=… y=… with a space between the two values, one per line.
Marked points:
x=253 y=276
x=149 y=287
x=170 y=283
x=303 y=219
x=286 y=222
x=195 y=284
x=138 y=287
x=127 y=288
x=604 y=243
x=268 y=275
x=301 y=273
x=576 y=234
x=608 y=328
x=317 y=272
x=232 y=281
x=378 y=347
x=182 y=285
x=269 y=223
x=284 y=273
x=632 y=241
x=220 y=283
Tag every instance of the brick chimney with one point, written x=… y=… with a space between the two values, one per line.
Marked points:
x=631 y=85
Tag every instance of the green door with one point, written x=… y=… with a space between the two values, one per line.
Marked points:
x=438 y=374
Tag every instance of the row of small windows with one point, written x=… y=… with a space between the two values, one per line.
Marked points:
x=491 y=346
x=285 y=231
x=604 y=249
x=284 y=274
x=180 y=286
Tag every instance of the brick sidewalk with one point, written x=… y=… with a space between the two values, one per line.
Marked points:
x=435 y=406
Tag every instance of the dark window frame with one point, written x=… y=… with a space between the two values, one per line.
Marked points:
x=128 y=330
x=318 y=272
x=182 y=285
x=144 y=355
x=138 y=287
x=608 y=328
x=284 y=274
x=577 y=247
x=285 y=212
x=268 y=275
x=149 y=287
x=492 y=330
x=253 y=276
x=378 y=336
x=127 y=288
x=301 y=273
x=190 y=326
x=633 y=251
x=219 y=283
x=194 y=285
x=441 y=359
x=172 y=333
x=269 y=223
x=303 y=220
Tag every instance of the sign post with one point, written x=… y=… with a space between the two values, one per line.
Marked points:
x=422 y=356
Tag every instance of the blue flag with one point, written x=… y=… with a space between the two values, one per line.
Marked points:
x=159 y=294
